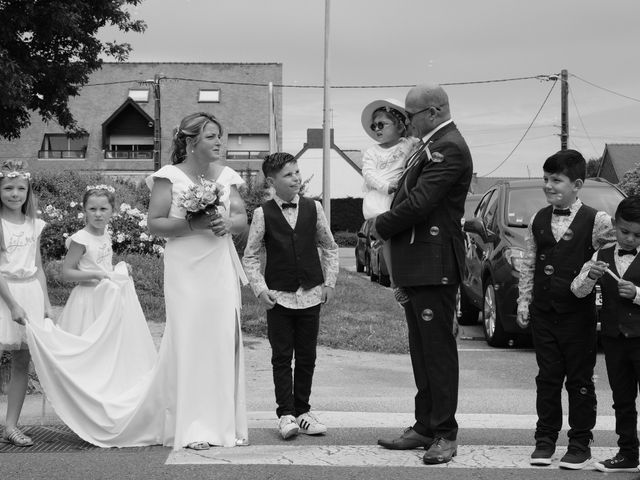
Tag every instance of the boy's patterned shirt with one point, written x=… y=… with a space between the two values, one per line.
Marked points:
x=603 y=233
x=255 y=250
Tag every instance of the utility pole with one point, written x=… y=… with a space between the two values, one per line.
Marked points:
x=157 y=132
x=564 y=112
x=273 y=141
x=326 y=139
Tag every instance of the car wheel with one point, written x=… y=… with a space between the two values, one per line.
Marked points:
x=493 y=330
x=359 y=266
x=468 y=311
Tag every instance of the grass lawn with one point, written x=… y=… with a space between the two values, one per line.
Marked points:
x=362 y=316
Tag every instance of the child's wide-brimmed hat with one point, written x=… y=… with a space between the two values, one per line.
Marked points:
x=367 y=113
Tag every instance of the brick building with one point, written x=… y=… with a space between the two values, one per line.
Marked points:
x=117 y=108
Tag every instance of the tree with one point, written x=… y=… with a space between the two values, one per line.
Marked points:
x=48 y=49
x=630 y=183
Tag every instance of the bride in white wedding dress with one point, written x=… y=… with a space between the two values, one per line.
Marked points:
x=194 y=394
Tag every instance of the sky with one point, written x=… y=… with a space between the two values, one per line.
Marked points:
x=472 y=47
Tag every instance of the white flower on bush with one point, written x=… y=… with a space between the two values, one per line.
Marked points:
x=134 y=212
x=158 y=249
x=73 y=204
x=52 y=212
x=143 y=223
x=124 y=207
x=120 y=238
x=65 y=235
x=80 y=215
x=144 y=237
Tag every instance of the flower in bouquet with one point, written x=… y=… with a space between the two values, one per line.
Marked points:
x=203 y=197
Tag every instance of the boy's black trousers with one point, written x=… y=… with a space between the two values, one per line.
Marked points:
x=293 y=333
x=622 y=356
x=565 y=345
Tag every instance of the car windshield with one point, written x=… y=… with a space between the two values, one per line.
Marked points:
x=524 y=202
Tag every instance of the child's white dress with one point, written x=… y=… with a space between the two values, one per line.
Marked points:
x=380 y=167
x=18 y=267
x=79 y=311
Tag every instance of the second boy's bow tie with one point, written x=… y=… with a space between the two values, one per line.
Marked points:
x=562 y=211
x=627 y=252
x=289 y=205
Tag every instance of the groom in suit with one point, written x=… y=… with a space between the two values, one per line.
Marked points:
x=427 y=253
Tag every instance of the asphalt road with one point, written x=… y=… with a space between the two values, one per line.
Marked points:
x=361 y=397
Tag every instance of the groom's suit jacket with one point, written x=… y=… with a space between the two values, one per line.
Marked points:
x=423 y=225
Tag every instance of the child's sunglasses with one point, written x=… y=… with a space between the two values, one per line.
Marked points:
x=378 y=126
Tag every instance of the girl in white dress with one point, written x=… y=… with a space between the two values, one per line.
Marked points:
x=201 y=351
x=88 y=259
x=23 y=288
x=384 y=163
x=97 y=365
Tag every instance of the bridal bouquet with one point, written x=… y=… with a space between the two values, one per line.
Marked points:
x=201 y=198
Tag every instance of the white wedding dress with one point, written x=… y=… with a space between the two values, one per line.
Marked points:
x=111 y=392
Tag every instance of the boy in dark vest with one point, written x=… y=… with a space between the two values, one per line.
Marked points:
x=290 y=233
x=561 y=238
x=617 y=269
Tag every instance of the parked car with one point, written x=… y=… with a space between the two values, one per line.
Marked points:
x=470 y=205
x=378 y=266
x=496 y=251
x=363 y=245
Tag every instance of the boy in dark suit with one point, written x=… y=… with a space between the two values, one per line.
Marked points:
x=287 y=232
x=617 y=270
x=561 y=238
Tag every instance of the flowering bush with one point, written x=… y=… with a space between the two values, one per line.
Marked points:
x=128 y=230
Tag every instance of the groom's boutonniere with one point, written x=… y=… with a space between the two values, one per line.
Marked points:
x=435 y=157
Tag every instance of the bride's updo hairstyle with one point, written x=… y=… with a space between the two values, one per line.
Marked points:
x=191 y=126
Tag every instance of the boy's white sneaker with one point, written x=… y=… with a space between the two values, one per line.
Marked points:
x=288 y=426
x=310 y=425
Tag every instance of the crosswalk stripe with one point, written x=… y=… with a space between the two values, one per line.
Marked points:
x=334 y=419
x=469 y=456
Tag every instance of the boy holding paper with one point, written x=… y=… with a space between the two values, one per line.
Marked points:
x=617 y=269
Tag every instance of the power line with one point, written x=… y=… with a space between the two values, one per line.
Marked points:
x=283 y=85
x=526 y=131
x=573 y=99
x=605 y=89
x=473 y=147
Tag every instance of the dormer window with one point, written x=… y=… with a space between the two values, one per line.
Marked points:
x=209 y=96
x=139 y=95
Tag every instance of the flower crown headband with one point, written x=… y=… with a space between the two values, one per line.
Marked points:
x=15 y=173
x=108 y=188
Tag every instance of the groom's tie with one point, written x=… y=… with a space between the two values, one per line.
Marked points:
x=413 y=159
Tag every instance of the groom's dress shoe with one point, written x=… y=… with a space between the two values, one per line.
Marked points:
x=409 y=440
x=441 y=451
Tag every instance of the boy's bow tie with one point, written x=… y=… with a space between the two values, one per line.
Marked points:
x=289 y=205
x=627 y=252
x=562 y=211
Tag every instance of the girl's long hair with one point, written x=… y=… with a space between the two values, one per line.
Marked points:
x=30 y=206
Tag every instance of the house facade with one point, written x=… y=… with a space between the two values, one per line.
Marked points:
x=123 y=104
